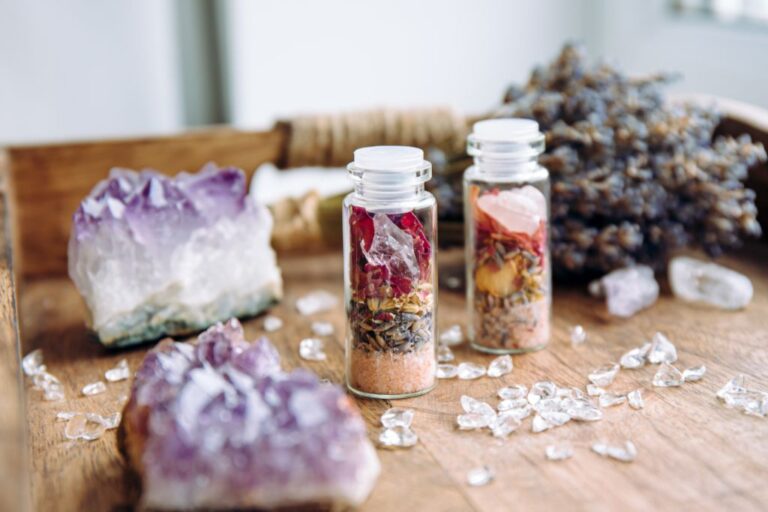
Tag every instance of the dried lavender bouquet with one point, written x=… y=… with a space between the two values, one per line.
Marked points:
x=632 y=177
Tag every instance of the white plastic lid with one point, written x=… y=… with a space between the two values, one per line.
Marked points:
x=389 y=158
x=506 y=130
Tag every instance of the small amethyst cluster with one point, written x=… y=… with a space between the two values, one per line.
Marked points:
x=154 y=255
x=225 y=426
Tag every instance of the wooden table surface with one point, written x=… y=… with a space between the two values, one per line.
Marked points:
x=692 y=451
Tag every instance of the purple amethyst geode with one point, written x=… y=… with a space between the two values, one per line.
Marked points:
x=154 y=256
x=218 y=424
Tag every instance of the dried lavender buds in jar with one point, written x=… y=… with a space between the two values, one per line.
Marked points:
x=390 y=274
x=508 y=268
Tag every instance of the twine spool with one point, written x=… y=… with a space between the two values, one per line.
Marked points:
x=329 y=140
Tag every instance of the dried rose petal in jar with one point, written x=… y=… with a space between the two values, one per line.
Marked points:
x=506 y=215
x=389 y=230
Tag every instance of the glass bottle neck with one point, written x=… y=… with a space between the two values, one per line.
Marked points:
x=385 y=194
x=507 y=167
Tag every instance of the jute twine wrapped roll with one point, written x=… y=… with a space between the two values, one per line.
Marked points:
x=329 y=140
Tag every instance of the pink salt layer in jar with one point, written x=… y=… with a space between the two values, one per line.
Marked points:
x=392 y=373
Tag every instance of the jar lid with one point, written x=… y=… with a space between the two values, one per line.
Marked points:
x=390 y=166
x=512 y=138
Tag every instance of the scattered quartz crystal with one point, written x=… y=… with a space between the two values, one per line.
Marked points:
x=667 y=376
x=312 y=349
x=513 y=392
x=87 y=427
x=502 y=365
x=94 y=388
x=473 y=421
x=604 y=375
x=119 y=372
x=635 y=399
x=627 y=290
x=736 y=395
x=611 y=399
x=444 y=354
x=480 y=476
x=447 y=371
x=555 y=452
x=694 y=374
x=249 y=434
x=397 y=437
x=593 y=390
x=505 y=424
x=470 y=371
x=397 y=417
x=272 y=323
x=473 y=405
x=513 y=403
x=32 y=364
x=540 y=424
x=452 y=336
x=635 y=358
x=578 y=335
x=701 y=281
x=155 y=255
x=583 y=410
x=662 y=350
x=112 y=421
x=322 y=328
x=625 y=453
x=316 y=302
x=65 y=415
x=540 y=390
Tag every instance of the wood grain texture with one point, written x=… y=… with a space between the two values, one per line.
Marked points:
x=48 y=182
x=693 y=452
x=14 y=488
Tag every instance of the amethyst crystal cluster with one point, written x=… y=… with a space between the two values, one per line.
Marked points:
x=153 y=255
x=218 y=424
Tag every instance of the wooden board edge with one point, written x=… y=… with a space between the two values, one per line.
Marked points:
x=14 y=453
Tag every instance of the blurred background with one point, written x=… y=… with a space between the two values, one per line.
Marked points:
x=83 y=69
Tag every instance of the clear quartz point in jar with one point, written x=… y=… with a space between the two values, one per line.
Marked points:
x=389 y=274
x=506 y=198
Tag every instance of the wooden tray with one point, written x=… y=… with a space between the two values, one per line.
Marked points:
x=693 y=452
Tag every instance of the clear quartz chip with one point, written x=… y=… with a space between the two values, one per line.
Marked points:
x=501 y=365
x=316 y=302
x=625 y=453
x=119 y=372
x=736 y=395
x=734 y=386
x=667 y=376
x=322 y=328
x=628 y=290
x=480 y=476
x=604 y=375
x=452 y=336
x=513 y=392
x=32 y=363
x=540 y=390
x=635 y=399
x=555 y=452
x=272 y=323
x=112 y=421
x=555 y=418
x=706 y=282
x=84 y=426
x=473 y=405
x=470 y=371
x=578 y=335
x=473 y=420
x=397 y=417
x=447 y=371
x=445 y=354
x=65 y=415
x=611 y=399
x=582 y=410
x=505 y=424
x=513 y=403
x=635 y=358
x=593 y=390
x=94 y=388
x=53 y=394
x=397 y=437
x=312 y=349
x=662 y=350
x=540 y=424
x=694 y=374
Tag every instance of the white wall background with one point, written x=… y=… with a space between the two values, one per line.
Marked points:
x=84 y=68
x=291 y=56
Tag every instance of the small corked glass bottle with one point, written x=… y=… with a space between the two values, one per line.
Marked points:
x=506 y=201
x=389 y=274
